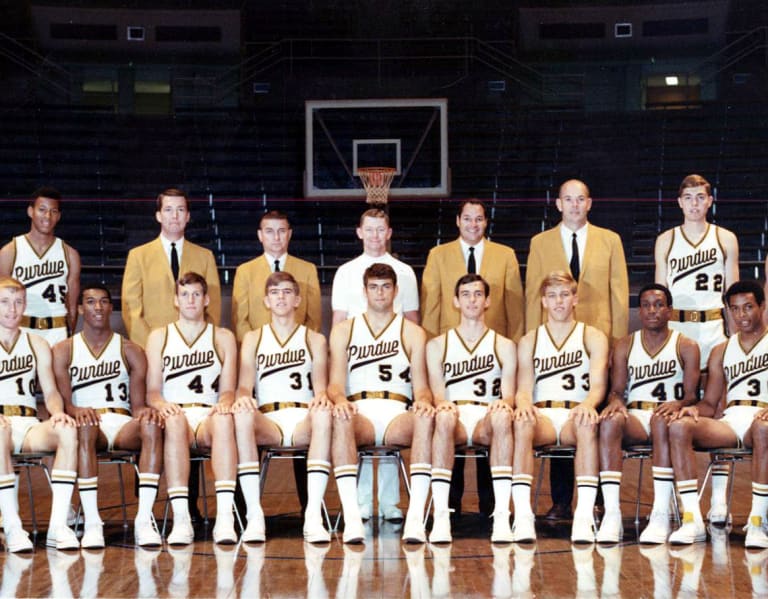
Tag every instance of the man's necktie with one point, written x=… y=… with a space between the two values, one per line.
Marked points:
x=174 y=262
x=471 y=266
x=277 y=266
x=575 y=269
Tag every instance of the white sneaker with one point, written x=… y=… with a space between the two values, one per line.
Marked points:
x=63 y=539
x=255 y=529
x=145 y=534
x=93 y=536
x=441 y=528
x=692 y=531
x=501 y=532
x=354 y=531
x=413 y=531
x=756 y=534
x=718 y=514
x=314 y=531
x=611 y=528
x=583 y=529
x=366 y=511
x=524 y=529
x=658 y=529
x=182 y=532
x=17 y=540
x=224 y=533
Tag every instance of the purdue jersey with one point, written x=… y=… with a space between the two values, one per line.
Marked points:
x=378 y=362
x=284 y=370
x=190 y=370
x=745 y=372
x=99 y=381
x=45 y=277
x=18 y=369
x=654 y=377
x=696 y=272
x=471 y=374
x=560 y=373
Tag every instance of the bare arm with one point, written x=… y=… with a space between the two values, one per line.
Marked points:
x=226 y=346
x=524 y=408
x=660 y=251
x=619 y=379
x=73 y=286
x=47 y=380
x=715 y=389
x=597 y=346
x=337 y=373
x=415 y=341
x=435 y=351
x=154 y=352
x=319 y=348
x=508 y=355
x=62 y=353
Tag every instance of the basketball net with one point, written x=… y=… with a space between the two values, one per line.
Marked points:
x=376 y=180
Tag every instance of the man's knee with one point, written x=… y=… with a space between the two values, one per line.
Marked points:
x=612 y=429
x=87 y=436
x=681 y=431
x=445 y=422
x=759 y=430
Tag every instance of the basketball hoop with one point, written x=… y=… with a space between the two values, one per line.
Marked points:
x=376 y=180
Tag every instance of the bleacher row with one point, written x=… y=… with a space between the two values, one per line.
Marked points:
x=238 y=164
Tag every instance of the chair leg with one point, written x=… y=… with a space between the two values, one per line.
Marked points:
x=203 y=491
x=122 y=494
x=639 y=488
x=539 y=480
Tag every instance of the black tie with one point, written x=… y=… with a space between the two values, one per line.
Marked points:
x=277 y=265
x=174 y=262
x=575 y=271
x=471 y=266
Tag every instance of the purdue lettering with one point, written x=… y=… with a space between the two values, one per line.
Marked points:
x=100 y=370
x=477 y=364
x=657 y=369
x=381 y=349
x=16 y=365
x=565 y=360
x=751 y=365
x=43 y=270
x=290 y=357
x=194 y=359
x=700 y=258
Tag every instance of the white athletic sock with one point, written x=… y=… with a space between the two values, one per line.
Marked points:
x=62 y=484
x=249 y=475
x=179 y=497
x=88 y=488
x=663 y=489
x=8 y=508
x=148 y=483
x=346 y=483
x=689 y=496
x=586 y=487
x=441 y=486
x=759 y=500
x=225 y=499
x=720 y=484
x=501 y=477
x=610 y=483
x=318 y=472
x=421 y=475
x=521 y=494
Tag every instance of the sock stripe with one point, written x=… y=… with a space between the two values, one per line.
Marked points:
x=587 y=481
x=346 y=471
x=149 y=480
x=721 y=470
x=248 y=468
x=687 y=486
x=318 y=467
x=178 y=493
x=7 y=481
x=63 y=477
x=224 y=486
x=522 y=479
x=441 y=475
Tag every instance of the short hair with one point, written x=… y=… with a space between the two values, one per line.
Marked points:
x=558 y=277
x=11 y=283
x=374 y=213
x=274 y=215
x=379 y=270
x=746 y=286
x=471 y=278
x=656 y=287
x=564 y=183
x=98 y=286
x=46 y=191
x=171 y=191
x=278 y=277
x=190 y=278
x=694 y=180
x=474 y=202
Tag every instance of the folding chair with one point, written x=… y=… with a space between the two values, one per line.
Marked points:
x=642 y=453
x=117 y=458
x=729 y=455
x=550 y=452
x=27 y=461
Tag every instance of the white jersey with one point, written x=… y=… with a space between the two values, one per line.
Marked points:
x=45 y=277
x=745 y=372
x=378 y=363
x=696 y=272
x=561 y=373
x=283 y=370
x=99 y=381
x=18 y=369
x=191 y=370
x=471 y=373
x=654 y=377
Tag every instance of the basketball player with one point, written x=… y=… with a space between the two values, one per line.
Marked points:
x=657 y=370
x=191 y=376
x=286 y=365
x=472 y=377
x=47 y=267
x=101 y=377
x=698 y=261
x=24 y=356
x=378 y=370
x=562 y=372
x=737 y=370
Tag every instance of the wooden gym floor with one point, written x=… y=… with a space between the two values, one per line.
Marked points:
x=470 y=567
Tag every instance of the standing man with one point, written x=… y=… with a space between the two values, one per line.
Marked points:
x=151 y=271
x=349 y=300
x=497 y=264
x=698 y=262
x=377 y=370
x=595 y=258
x=562 y=378
x=657 y=370
x=191 y=377
x=24 y=357
x=472 y=377
x=101 y=377
x=281 y=401
x=249 y=311
x=47 y=267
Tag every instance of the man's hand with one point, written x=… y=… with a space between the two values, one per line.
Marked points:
x=583 y=415
x=245 y=403
x=168 y=409
x=62 y=419
x=615 y=407
x=528 y=413
x=344 y=410
x=499 y=405
x=320 y=401
x=667 y=409
x=446 y=406
x=691 y=411
x=86 y=417
x=423 y=408
x=147 y=415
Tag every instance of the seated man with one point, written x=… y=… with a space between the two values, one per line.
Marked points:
x=24 y=356
x=658 y=369
x=101 y=377
x=737 y=370
x=472 y=378
x=191 y=376
x=281 y=401
x=562 y=373
x=377 y=370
